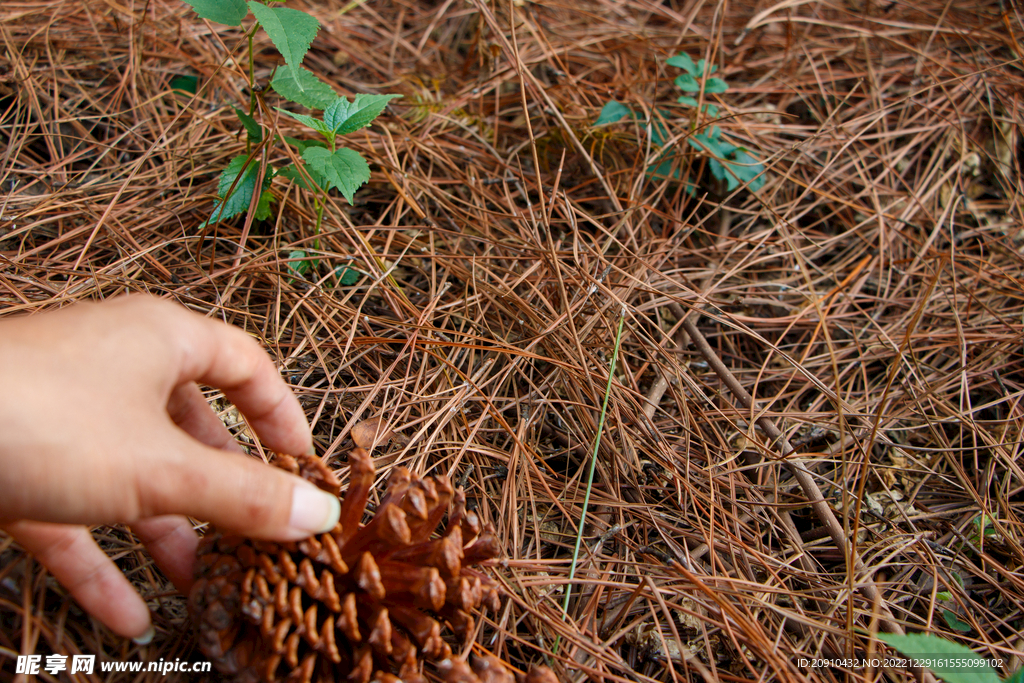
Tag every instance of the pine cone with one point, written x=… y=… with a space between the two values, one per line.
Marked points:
x=358 y=602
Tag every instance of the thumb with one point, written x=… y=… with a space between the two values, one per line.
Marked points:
x=233 y=491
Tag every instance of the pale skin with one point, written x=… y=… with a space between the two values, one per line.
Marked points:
x=102 y=421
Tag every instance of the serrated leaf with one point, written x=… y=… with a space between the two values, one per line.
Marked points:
x=688 y=101
x=292 y=173
x=925 y=646
x=347 y=276
x=302 y=87
x=715 y=85
x=230 y=12
x=344 y=170
x=345 y=117
x=687 y=83
x=240 y=198
x=254 y=129
x=291 y=30
x=187 y=84
x=685 y=62
x=954 y=622
x=311 y=121
x=613 y=111
x=263 y=206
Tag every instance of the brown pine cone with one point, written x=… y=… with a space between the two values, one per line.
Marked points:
x=358 y=602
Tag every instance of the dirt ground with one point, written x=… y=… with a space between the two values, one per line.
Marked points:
x=516 y=282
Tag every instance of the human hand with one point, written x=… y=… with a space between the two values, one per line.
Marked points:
x=101 y=421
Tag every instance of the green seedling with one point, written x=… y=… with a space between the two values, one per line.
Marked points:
x=729 y=163
x=982 y=530
x=952 y=620
x=697 y=77
x=952 y=662
x=324 y=166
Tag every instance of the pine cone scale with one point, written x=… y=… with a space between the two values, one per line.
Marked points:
x=351 y=604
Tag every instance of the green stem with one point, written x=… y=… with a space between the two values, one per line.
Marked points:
x=321 y=204
x=252 y=85
x=590 y=475
x=252 y=74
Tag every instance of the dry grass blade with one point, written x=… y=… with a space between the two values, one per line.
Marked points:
x=868 y=298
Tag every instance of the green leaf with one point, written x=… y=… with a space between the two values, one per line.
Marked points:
x=344 y=117
x=954 y=622
x=291 y=30
x=187 y=84
x=254 y=129
x=981 y=525
x=708 y=144
x=944 y=595
x=292 y=173
x=313 y=122
x=701 y=69
x=303 y=145
x=1016 y=678
x=715 y=85
x=239 y=200
x=344 y=170
x=659 y=133
x=711 y=109
x=725 y=149
x=230 y=12
x=724 y=174
x=263 y=206
x=611 y=112
x=688 y=101
x=302 y=87
x=749 y=169
x=662 y=168
x=685 y=62
x=925 y=646
x=687 y=83
x=299 y=267
x=347 y=276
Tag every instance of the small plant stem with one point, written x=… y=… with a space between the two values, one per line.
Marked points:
x=252 y=74
x=252 y=85
x=593 y=467
x=320 y=205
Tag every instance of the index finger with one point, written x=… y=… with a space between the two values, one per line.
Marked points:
x=225 y=357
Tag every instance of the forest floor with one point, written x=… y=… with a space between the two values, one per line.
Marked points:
x=840 y=236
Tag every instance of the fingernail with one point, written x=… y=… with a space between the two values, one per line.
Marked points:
x=146 y=638
x=313 y=511
x=311 y=450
